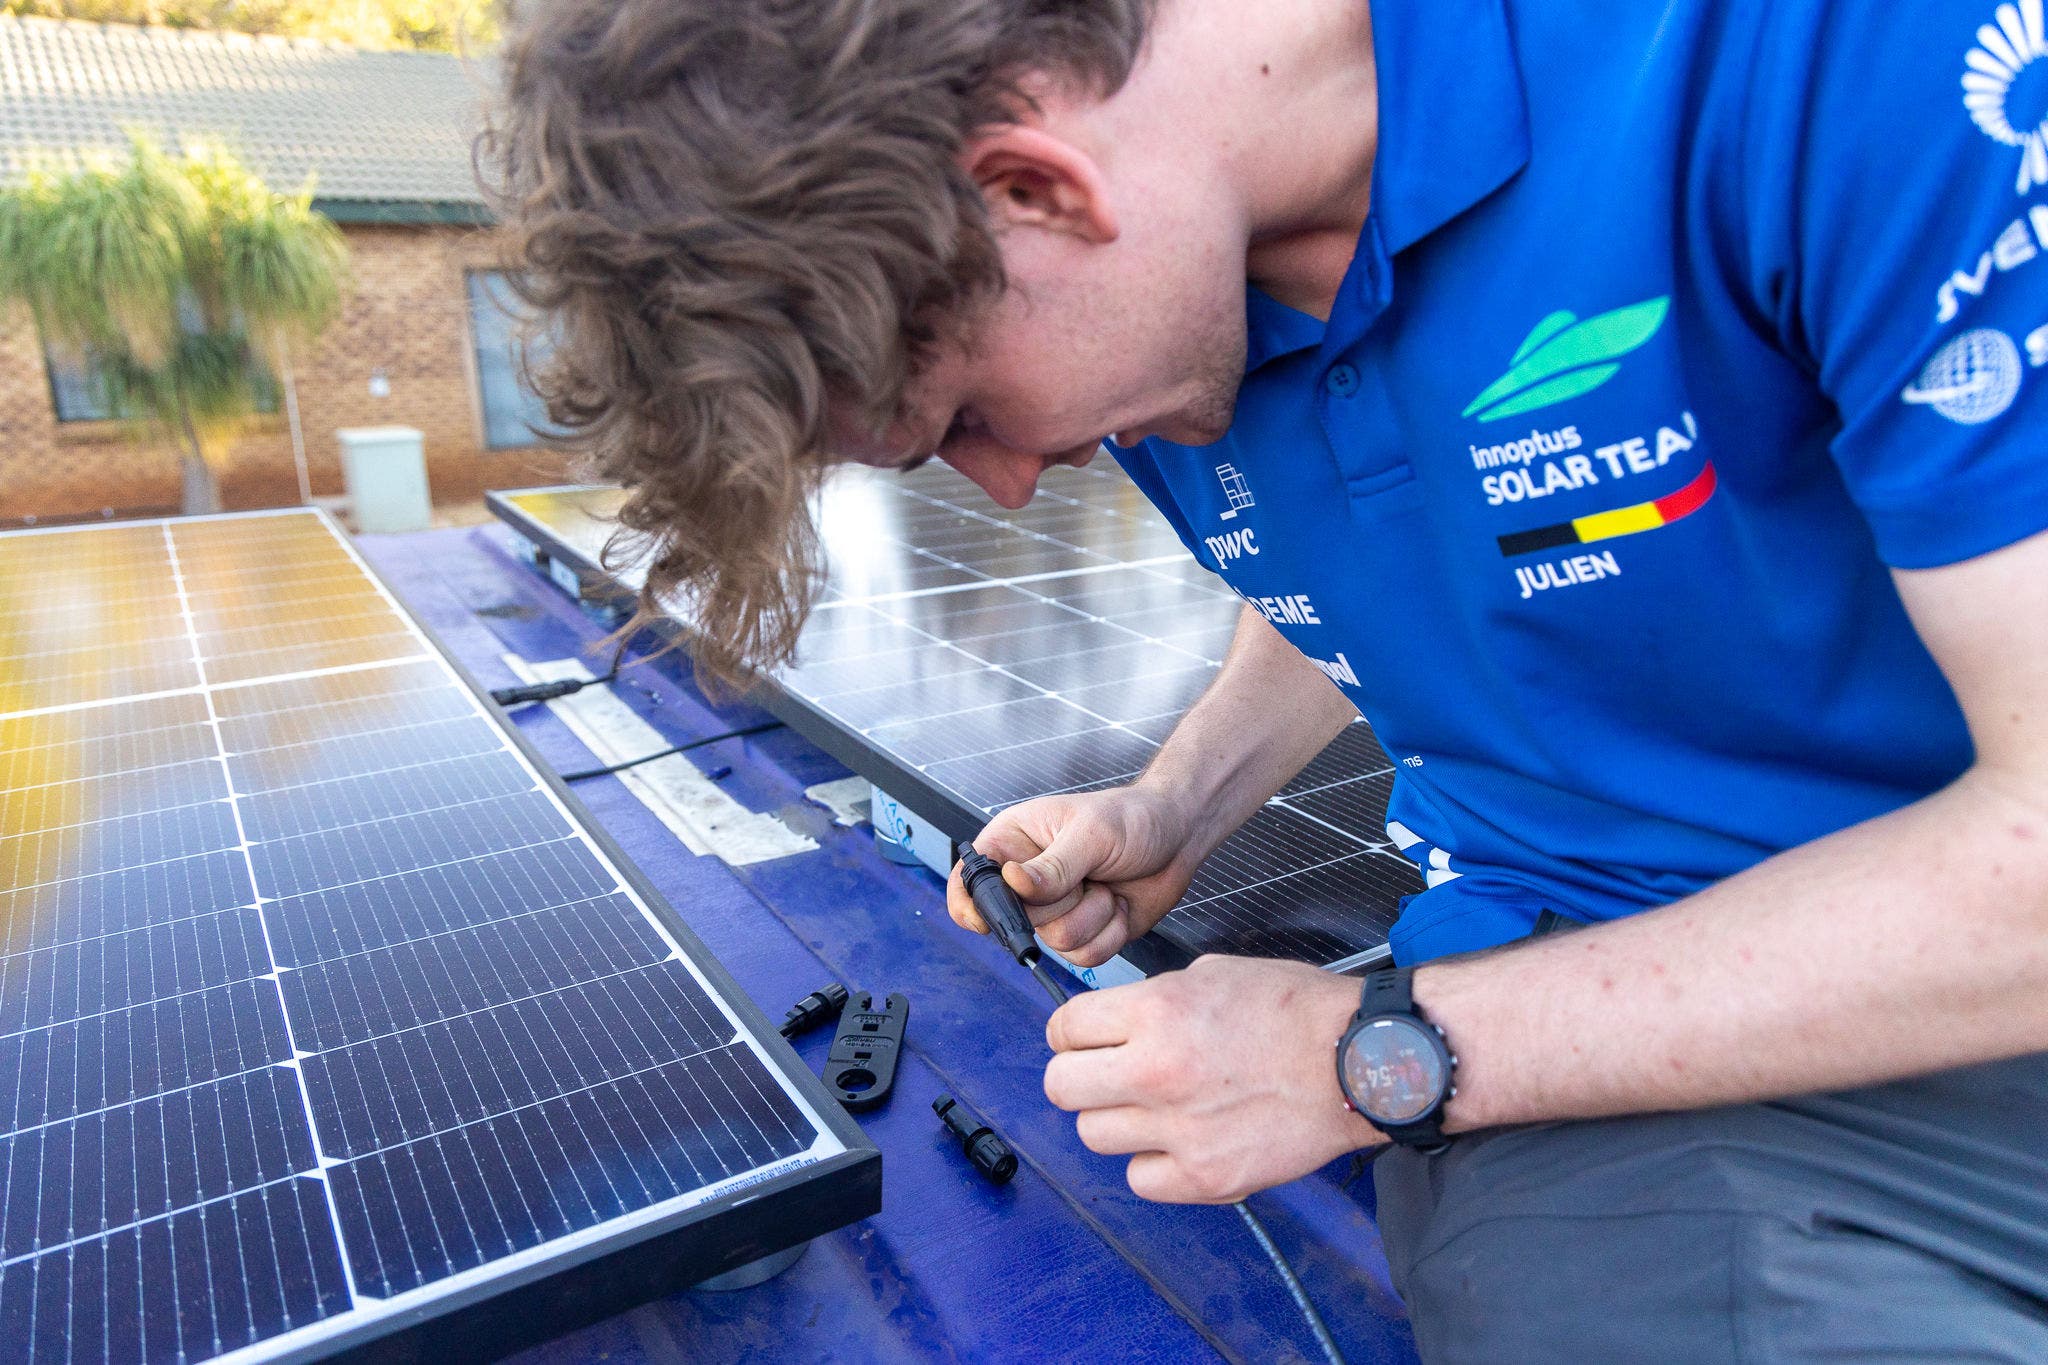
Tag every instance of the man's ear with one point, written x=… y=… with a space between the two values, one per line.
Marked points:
x=1032 y=179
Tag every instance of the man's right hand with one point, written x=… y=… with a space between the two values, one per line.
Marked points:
x=1094 y=870
x=1097 y=869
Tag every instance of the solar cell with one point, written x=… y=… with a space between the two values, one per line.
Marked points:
x=322 y=1015
x=1360 y=803
x=1077 y=633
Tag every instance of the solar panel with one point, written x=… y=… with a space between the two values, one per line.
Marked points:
x=966 y=658
x=323 y=1014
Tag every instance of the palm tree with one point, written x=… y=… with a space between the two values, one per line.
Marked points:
x=179 y=281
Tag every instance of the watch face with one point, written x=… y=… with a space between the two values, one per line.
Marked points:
x=1393 y=1070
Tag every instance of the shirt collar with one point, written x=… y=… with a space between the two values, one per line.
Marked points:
x=1454 y=119
x=1272 y=329
x=1453 y=128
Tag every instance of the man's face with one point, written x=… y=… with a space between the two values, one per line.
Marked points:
x=1075 y=350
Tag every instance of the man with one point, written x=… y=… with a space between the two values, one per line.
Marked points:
x=1643 y=397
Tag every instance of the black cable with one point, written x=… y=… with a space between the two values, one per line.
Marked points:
x=1292 y=1283
x=609 y=769
x=1053 y=988
x=562 y=687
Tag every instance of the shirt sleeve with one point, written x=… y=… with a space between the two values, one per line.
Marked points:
x=1919 y=232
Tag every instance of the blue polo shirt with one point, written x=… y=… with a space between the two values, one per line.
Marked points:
x=1674 y=329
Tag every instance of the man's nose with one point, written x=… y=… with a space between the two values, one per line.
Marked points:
x=1008 y=476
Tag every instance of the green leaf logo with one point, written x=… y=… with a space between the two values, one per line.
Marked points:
x=1564 y=357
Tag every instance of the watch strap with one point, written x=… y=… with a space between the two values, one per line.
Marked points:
x=1391 y=990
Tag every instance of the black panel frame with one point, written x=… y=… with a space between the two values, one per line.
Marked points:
x=1150 y=954
x=671 y=1255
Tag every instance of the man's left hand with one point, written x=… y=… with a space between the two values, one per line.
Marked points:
x=1216 y=1081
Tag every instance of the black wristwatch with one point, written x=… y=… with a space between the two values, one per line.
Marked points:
x=1394 y=1065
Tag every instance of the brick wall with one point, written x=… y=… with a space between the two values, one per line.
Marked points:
x=408 y=315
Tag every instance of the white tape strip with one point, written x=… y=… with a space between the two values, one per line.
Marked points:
x=696 y=809
x=847 y=799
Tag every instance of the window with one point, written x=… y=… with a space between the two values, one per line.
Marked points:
x=513 y=415
x=76 y=392
x=78 y=388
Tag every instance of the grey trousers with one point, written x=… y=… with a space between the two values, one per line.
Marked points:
x=1906 y=1222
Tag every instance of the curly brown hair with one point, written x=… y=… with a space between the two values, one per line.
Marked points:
x=732 y=215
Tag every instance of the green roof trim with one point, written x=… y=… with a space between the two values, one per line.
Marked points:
x=407 y=211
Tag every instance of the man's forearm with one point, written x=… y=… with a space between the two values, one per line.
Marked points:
x=1908 y=944
x=1267 y=714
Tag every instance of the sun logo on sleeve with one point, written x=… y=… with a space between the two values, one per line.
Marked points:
x=2006 y=49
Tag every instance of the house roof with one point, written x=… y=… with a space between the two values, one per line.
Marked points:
x=386 y=135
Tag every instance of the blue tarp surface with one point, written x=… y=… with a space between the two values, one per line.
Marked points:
x=1063 y=1263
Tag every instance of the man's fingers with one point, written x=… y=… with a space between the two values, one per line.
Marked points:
x=1164 y=1178
x=1119 y=1131
x=1043 y=915
x=1082 y=922
x=960 y=905
x=1107 y=943
x=1157 y=1176
x=1005 y=841
x=1096 y=1019
x=1078 y=848
x=1092 y=1078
